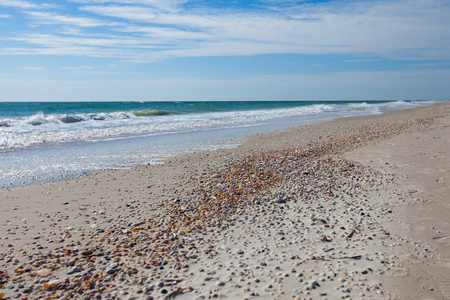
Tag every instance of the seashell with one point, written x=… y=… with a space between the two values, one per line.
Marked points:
x=43 y=272
x=52 y=285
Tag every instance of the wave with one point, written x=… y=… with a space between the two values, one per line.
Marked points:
x=152 y=112
x=47 y=129
x=43 y=119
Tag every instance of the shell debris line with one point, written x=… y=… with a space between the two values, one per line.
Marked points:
x=285 y=223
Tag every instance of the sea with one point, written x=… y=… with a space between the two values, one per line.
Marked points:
x=52 y=141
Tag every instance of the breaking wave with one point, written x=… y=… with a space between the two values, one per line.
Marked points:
x=39 y=129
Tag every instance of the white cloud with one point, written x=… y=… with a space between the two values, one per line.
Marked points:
x=3 y=16
x=79 y=68
x=144 y=30
x=389 y=29
x=120 y=47
x=18 y=4
x=26 y=4
x=87 y=70
x=166 y=5
x=131 y=13
x=167 y=34
x=32 y=69
x=53 y=18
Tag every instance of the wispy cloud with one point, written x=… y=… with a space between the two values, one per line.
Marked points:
x=165 y=5
x=25 y=4
x=87 y=70
x=53 y=18
x=48 y=44
x=18 y=4
x=33 y=69
x=145 y=30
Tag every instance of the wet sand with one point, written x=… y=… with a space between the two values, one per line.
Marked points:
x=352 y=208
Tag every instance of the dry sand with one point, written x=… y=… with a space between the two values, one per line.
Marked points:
x=355 y=208
x=420 y=162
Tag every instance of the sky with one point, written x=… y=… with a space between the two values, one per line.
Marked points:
x=175 y=50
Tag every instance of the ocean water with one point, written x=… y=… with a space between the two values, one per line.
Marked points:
x=47 y=141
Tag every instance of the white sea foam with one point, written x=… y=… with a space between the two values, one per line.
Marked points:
x=41 y=130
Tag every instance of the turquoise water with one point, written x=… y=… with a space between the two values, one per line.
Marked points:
x=44 y=141
x=25 y=109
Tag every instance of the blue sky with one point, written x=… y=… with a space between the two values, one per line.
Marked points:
x=95 y=50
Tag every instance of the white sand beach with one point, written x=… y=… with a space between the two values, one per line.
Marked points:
x=353 y=208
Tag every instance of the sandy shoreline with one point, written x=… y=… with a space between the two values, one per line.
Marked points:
x=321 y=211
